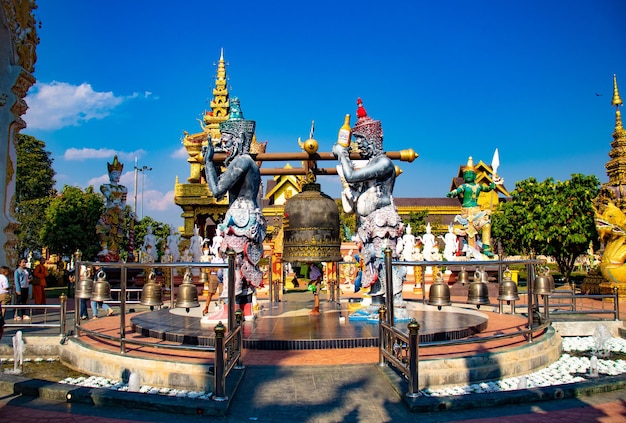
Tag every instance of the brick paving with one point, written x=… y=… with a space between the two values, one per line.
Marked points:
x=338 y=385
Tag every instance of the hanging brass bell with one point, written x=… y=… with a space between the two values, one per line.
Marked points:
x=477 y=291
x=204 y=276
x=439 y=293
x=484 y=276
x=84 y=286
x=462 y=277
x=151 y=294
x=508 y=288
x=187 y=293
x=544 y=282
x=101 y=288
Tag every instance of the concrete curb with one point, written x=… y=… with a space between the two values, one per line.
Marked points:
x=103 y=397
x=466 y=402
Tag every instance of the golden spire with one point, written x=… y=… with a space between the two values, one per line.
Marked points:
x=220 y=104
x=617 y=101
x=616 y=167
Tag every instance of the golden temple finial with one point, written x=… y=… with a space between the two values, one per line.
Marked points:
x=617 y=101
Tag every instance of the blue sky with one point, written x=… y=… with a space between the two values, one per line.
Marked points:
x=449 y=79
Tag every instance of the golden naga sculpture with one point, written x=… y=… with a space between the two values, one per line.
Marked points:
x=611 y=226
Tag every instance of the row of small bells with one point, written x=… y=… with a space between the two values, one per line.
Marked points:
x=478 y=291
x=98 y=290
x=151 y=294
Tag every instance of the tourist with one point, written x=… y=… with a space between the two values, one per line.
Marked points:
x=472 y=217
x=244 y=226
x=39 y=282
x=315 y=274
x=103 y=306
x=5 y=289
x=369 y=195
x=22 y=280
x=214 y=282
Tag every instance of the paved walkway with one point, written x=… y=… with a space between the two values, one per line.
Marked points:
x=340 y=393
x=319 y=386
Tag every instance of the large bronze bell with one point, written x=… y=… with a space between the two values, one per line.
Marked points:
x=311 y=227
x=462 y=277
x=508 y=288
x=151 y=294
x=187 y=293
x=544 y=282
x=477 y=291
x=84 y=286
x=101 y=288
x=439 y=293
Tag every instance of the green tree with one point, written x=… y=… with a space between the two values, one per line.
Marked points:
x=34 y=174
x=417 y=220
x=31 y=214
x=551 y=218
x=34 y=187
x=347 y=223
x=70 y=222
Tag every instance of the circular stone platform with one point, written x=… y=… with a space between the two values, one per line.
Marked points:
x=288 y=325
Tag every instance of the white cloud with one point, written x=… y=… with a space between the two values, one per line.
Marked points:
x=99 y=180
x=59 y=104
x=102 y=153
x=181 y=153
x=156 y=200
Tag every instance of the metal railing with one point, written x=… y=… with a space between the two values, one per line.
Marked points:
x=228 y=341
x=401 y=349
x=551 y=308
x=51 y=315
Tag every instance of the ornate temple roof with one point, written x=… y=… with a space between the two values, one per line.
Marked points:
x=615 y=189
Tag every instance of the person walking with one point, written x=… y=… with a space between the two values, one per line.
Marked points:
x=214 y=281
x=39 y=282
x=22 y=283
